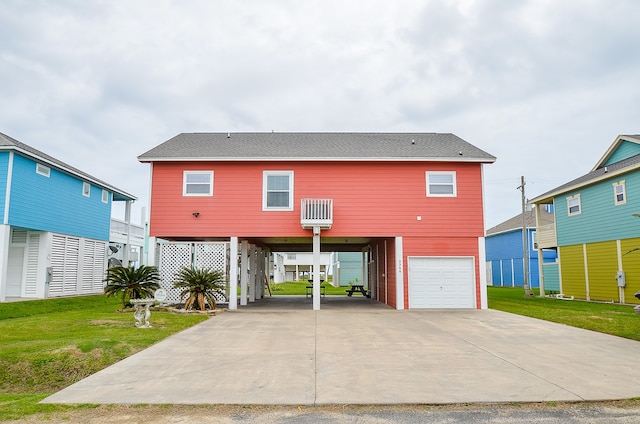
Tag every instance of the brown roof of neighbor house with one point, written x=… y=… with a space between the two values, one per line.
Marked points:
x=515 y=223
x=317 y=146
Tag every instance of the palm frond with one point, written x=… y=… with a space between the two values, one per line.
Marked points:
x=200 y=285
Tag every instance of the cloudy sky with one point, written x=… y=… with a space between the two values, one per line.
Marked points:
x=544 y=85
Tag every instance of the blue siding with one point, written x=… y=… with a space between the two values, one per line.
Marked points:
x=56 y=203
x=551 y=277
x=506 y=249
x=350 y=267
x=4 y=170
x=600 y=219
x=625 y=150
x=495 y=273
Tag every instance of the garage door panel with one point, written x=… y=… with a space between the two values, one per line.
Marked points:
x=441 y=282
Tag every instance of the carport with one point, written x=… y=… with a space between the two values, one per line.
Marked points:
x=376 y=253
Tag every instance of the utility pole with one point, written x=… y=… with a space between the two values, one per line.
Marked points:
x=525 y=250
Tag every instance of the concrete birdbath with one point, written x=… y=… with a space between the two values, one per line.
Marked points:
x=141 y=311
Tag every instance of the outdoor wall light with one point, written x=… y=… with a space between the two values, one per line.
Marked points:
x=196 y=214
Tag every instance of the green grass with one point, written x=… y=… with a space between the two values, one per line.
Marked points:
x=615 y=319
x=46 y=345
x=299 y=288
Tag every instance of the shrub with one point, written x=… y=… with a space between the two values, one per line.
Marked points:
x=200 y=285
x=132 y=283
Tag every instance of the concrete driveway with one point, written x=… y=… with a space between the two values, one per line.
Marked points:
x=357 y=351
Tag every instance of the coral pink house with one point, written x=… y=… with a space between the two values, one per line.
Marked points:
x=413 y=202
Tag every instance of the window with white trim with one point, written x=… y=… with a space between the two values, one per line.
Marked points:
x=105 y=196
x=43 y=170
x=441 y=184
x=573 y=205
x=619 y=193
x=277 y=190
x=197 y=183
x=86 y=189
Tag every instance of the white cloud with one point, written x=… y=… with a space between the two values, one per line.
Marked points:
x=546 y=86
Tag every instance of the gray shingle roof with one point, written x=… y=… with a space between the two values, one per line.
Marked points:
x=10 y=143
x=598 y=174
x=515 y=223
x=317 y=146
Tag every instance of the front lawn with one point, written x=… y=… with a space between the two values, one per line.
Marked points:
x=615 y=319
x=46 y=345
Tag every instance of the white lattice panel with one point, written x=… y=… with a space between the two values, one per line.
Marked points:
x=211 y=255
x=173 y=257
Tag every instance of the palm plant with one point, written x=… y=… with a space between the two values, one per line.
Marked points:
x=200 y=285
x=131 y=282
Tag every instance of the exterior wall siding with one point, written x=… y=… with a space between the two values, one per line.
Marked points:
x=602 y=265
x=625 y=150
x=600 y=215
x=551 y=277
x=56 y=203
x=631 y=267
x=506 y=248
x=572 y=271
x=378 y=199
x=350 y=267
x=4 y=170
x=386 y=276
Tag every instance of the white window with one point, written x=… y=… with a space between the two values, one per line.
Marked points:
x=43 y=170
x=105 y=196
x=197 y=183
x=441 y=184
x=573 y=205
x=277 y=190
x=86 y=189
x=619 y=193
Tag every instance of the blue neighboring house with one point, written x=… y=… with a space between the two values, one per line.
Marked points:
x=55 y=229
x=348 y=268
x=504 y=251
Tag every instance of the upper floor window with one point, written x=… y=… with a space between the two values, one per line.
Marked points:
x=441 y=184
x=619 y=193
x=86 y=189
x=197 y=183
x=105 y=196
x=43 y=170
x=277 y=190
x=573 y=205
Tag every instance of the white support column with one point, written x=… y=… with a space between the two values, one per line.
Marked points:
x=316 y=268
x=259 y=273
x=399 y=274
x=586 y=271
x=620 y=289
x=233 y=273
x=127 y=219
x=482 y=269
x=5 y=237
x=244 y=272
x=253 y=253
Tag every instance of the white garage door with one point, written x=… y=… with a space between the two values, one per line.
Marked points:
x=441 y=282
